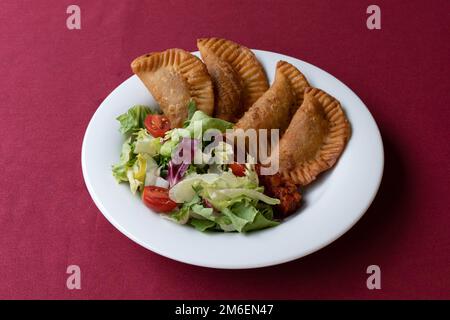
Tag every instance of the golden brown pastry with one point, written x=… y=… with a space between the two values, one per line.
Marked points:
x=315 y=138
x=173 y=77
x=274 y=109
x=239 y=79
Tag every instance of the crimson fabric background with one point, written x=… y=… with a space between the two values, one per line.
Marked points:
x=53 y=79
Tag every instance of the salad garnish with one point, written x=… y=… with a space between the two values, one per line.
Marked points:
x=190 y=179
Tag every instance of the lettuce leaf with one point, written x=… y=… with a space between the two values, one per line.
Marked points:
x=260 y=222
x=242 y=216
x=258 y=218
x=168 y=148
x=183 y=214
x=219 y=187
x=127 y=158
x=225 y=194
x=145 y=143
x=152 y=171
x=228 y=202
x=206 y=122
x=133 y=119
x=138 y=141
x=202 y=225
x=238 y=222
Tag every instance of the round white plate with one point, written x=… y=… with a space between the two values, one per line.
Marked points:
x=332 y=205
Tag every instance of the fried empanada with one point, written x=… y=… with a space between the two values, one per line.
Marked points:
x=315 y=138
x=238 y=77
x=174 y=77
x=274 y=109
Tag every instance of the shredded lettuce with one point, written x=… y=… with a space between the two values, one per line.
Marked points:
x=229 y=194
x=127 y=159
x=256 y=219
x=185 y=151
x=138 y=141
x=143 y=172
x=161 y=182
x=184 y=191
x=232 y=203
x=145 y=143
x=202 y=225
x=242 y=216
x=207 y=123
x=133 y=119
x=199 y=120
x=152 y=171
x=168 y=148
x=213 y=182
x=209 y=195
x=183 y=214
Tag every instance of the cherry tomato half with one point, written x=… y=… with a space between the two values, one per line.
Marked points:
x=157 y=125
x=237 y=169
x=157 y=199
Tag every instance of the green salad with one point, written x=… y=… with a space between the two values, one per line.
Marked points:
x=187 y=179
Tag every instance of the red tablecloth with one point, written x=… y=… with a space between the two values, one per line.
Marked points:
x=53 y=79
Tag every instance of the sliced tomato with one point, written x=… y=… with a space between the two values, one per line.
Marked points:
x=157 y=199
x=157 y=125
x=237 y=169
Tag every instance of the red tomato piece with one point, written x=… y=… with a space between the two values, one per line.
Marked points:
x=157 y=125
x=157 y=199
x=237 y=169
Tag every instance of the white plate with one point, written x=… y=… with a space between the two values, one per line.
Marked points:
x=331 y=206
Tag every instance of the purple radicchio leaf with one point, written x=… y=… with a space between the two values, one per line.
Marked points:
x=181 y=160
x=176 y=172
